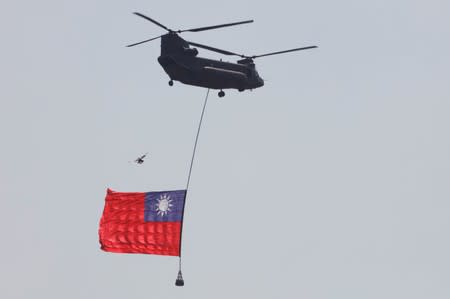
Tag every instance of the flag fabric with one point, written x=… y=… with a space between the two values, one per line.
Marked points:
x=142 y=222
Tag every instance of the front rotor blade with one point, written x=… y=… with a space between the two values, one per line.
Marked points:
x=286 y=51
x=151 y=20
x=214 y=49
x=144 y=41
x=215 y=26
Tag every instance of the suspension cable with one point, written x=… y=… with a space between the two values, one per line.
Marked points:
x=189 y=176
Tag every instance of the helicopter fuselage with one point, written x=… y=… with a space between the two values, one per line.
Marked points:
x=181 y=63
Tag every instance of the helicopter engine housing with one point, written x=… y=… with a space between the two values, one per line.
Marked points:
x=190 y=52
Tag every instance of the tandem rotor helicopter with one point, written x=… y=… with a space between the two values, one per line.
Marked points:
x=181 y=63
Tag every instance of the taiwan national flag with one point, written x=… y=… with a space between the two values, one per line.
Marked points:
x=142 y=222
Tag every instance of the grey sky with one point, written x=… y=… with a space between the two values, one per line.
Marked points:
x=331 y=181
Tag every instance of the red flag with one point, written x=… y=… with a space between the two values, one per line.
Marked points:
x=142 y=222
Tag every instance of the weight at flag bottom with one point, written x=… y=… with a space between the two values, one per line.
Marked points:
x=142 y=222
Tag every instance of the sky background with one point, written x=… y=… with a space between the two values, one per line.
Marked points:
x=331 y=181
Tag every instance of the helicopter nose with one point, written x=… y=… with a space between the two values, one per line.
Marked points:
x=260 y=82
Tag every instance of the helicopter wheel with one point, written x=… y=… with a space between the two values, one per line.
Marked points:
x=221 y=94
x=171 y=82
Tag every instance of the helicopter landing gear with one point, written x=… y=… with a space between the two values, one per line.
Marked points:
x=171 y=83
x=221 y=94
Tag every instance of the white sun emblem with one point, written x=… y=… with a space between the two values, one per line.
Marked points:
x=163 y=205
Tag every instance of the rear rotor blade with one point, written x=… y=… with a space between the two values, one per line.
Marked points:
x=151 y=20
x=215 y=26
x=214 y=49
x=286 y=51
x=147 y=40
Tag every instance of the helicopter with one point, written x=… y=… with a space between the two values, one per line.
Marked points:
x=181 y=63
x=140 y=160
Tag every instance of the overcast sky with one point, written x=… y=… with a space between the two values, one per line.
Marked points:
x=331 y=181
